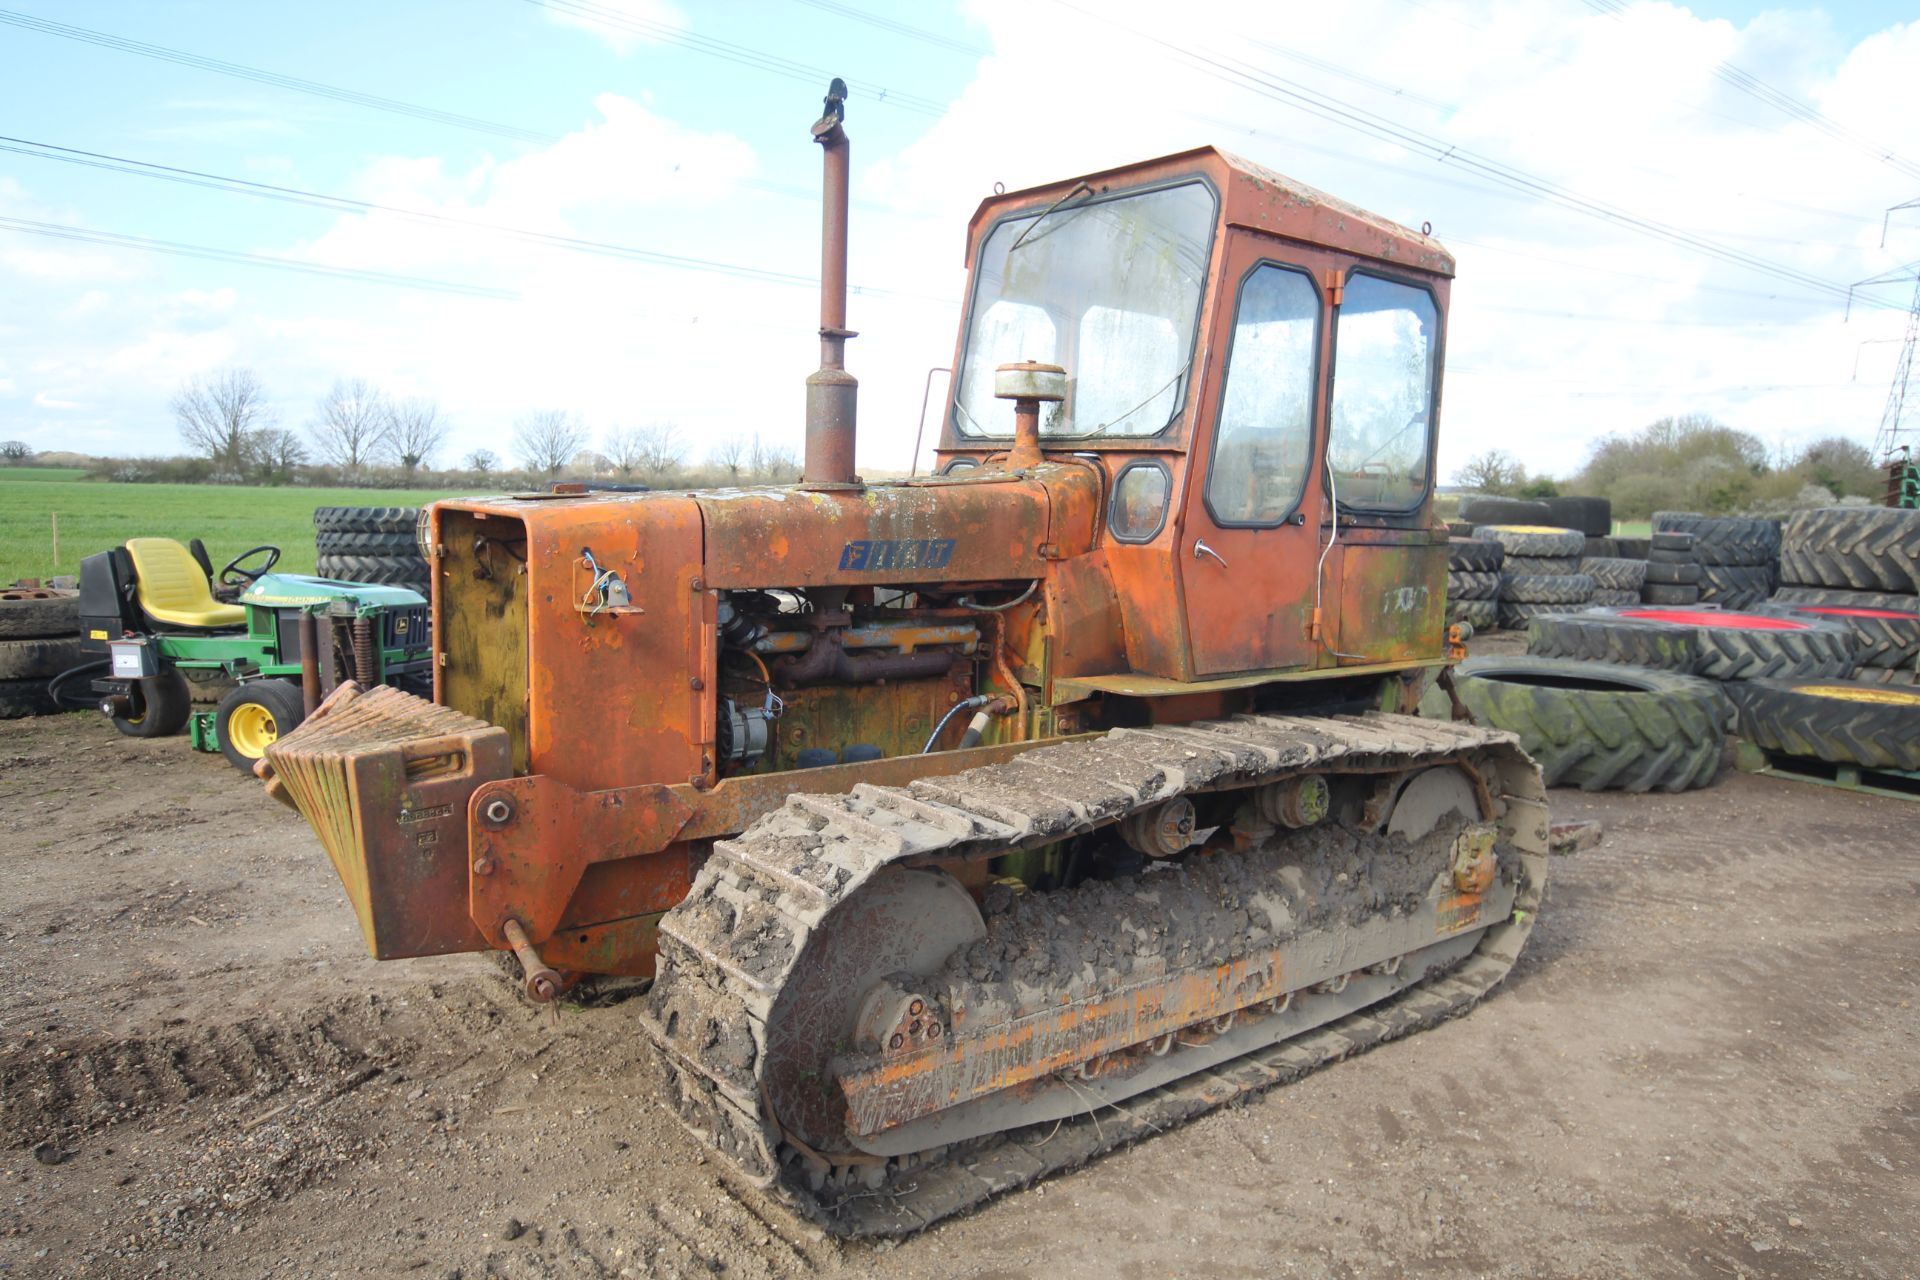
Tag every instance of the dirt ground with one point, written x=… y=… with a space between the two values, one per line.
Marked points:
x=1704 y=1065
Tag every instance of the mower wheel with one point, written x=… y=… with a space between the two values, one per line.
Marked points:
x=161 y=705
x=253 y=716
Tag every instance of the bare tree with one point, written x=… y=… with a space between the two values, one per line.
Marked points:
x=15 y=450
x=1495 y=471
x=770 y=463
x=625 y=449
x=278 y=451
x=547 y=440
x=482 y=460
x=414 y=433
x=352 y=427
x=729 y=454
x=218 y=414
x=654 y=450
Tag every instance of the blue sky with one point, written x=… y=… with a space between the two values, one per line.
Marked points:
x=661 y=124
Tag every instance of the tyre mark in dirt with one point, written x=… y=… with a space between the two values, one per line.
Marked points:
x=60 y=1089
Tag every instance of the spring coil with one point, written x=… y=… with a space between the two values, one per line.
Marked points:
x=363 y=652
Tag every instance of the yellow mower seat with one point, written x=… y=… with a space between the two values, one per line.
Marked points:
x=173 y=588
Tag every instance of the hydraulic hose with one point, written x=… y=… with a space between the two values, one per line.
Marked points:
x=965 y=704
x=66 y=699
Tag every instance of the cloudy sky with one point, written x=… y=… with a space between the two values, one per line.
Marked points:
x=1656 y=208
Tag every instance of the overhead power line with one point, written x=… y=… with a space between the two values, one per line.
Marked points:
x=679 y=37
x=344 y=204
x=1779 y=99
x=61 y=231
x=1318 y=103
x=259 y=76
x=907 y=29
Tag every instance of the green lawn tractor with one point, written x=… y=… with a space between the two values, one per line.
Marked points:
x=152 y=615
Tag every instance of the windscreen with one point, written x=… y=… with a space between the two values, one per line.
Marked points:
x=1109 y=289
x=1383 y=375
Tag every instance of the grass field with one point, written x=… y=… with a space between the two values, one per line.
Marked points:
x=95 y=515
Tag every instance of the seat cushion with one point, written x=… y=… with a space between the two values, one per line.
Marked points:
x=174 y=589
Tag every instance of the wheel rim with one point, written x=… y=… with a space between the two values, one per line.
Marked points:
x=251 y=728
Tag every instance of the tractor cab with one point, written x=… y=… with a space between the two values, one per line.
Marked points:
x=1256 y=365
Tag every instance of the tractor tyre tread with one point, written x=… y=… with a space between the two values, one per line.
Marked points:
x=1614 y=573
x=1550 y=565
x=1600 y=637
x=397 y=571
x=1474 y=554
x=1735 y=586
x=1855 y=548
x=1724 y=540
x=1841 y=722
x=342 y=542
x=1882 y=638
x=1469 y=584
x=1650 y=730
x=1546 y=588
x=364 y=519
x=1534 y=540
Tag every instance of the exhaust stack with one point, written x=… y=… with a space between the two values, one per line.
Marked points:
x=832 y=392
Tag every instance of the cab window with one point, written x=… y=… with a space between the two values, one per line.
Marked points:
x=1263 y=445
x=1383 y=373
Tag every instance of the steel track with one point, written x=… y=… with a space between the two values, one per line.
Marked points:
x=727 y=951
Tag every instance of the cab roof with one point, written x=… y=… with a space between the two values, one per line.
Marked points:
x=1252 y=196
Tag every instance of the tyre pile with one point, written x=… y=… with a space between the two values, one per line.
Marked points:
x=1473 y=582
x=1859 y=567
x=1804 y=638
x=39 y=639
x=371 y=544
x=1540 y=571
x=1738 y=557
x=1673 y=570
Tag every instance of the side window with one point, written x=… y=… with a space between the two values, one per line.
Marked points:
x=1383 y=367
x=1140 y=502
x=1263 y=445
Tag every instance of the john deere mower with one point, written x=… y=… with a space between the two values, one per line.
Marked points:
x=153 y=613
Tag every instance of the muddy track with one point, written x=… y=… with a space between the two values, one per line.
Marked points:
x=729 y=950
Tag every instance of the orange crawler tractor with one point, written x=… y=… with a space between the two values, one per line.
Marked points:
x=970 y=825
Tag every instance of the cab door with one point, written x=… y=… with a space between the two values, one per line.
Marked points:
x=1250 y=543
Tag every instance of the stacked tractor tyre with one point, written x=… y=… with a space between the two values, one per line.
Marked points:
x=1473 y=582
x=1539 y=571
x=1857 y=568
x=371 y=544
x=1738 y=556
x=1673 y=571
x=39 y=639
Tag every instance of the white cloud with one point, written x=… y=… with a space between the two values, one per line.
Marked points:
x=1564 y=327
